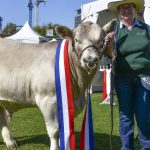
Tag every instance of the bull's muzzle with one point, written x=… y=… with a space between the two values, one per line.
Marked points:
x=91 y=62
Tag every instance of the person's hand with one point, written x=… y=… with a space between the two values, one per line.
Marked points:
x=109 y=37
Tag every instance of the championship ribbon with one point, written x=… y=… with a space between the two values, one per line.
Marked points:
x=87 y=137
x=65 y=106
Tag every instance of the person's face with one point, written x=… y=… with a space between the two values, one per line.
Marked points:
x=127 y=11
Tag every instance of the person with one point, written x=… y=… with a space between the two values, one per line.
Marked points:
x=132 y=72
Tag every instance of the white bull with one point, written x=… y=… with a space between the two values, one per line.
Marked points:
x=27 y=75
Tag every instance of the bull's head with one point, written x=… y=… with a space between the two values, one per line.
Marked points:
x=87 y=40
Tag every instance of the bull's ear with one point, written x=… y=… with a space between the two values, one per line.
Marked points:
x=110 y=26
x=64 y=32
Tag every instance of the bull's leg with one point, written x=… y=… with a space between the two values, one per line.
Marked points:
x=9 y=114
x=48 y=108
x=10 y=143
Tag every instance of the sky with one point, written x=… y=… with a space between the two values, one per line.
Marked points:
x=56 y=12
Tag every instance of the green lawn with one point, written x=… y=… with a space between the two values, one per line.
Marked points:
x=29 y=130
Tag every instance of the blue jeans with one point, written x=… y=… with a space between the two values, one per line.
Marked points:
x=134 y=100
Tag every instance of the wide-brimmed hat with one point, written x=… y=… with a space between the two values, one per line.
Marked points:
x=113 y=6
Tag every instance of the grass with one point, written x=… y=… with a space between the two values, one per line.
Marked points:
x=29 y=130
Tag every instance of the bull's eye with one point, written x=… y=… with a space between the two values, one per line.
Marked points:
x=78 y=41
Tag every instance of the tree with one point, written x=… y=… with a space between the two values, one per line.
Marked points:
x=9 y=30
x=41 y=30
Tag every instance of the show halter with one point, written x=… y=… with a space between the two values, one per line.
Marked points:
x=100 y=50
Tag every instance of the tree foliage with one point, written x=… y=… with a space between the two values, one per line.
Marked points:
x=41 y=30
x=10 y=29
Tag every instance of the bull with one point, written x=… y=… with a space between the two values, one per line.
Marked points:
x=27 y=75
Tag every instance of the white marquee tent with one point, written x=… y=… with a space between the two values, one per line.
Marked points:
x=27 y=35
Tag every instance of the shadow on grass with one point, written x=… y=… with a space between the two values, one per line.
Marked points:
x=101 y=141
x=35 y=139
x=42 y=139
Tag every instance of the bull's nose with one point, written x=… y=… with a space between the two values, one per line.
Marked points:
x=90 y=59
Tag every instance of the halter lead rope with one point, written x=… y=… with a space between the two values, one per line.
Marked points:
x=112 y=83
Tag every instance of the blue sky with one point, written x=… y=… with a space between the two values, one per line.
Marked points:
x=56 y=11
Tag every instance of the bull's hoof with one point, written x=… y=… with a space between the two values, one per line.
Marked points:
x=11 y=145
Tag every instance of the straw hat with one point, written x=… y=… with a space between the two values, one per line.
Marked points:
x=113 y=6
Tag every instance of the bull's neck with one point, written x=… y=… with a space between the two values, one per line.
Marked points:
x=80 y=78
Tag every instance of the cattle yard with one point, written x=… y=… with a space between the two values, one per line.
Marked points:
x=29 y=130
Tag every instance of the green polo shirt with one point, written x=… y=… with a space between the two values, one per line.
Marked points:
x=133 y=50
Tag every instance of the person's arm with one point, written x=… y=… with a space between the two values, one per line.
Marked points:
x=109 y=41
